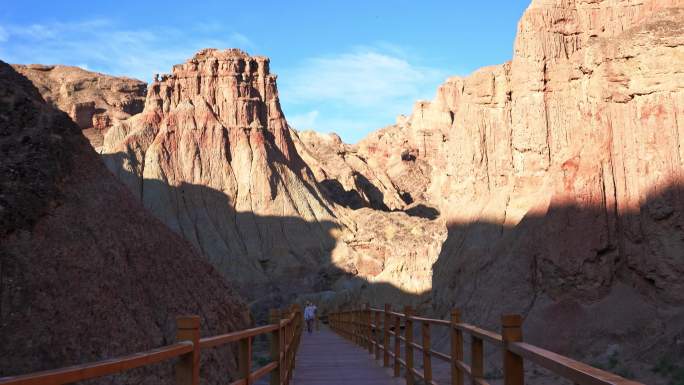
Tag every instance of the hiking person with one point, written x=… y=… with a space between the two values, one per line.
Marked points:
x=310 y=316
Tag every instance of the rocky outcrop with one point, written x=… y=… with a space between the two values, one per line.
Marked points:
x=550 y=185
x=93 y=100
x=85 y=272
x=211 y=156
x=560 y=177
x=345 y=176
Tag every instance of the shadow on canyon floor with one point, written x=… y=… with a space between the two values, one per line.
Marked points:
x=569 y=272
x=334 y=190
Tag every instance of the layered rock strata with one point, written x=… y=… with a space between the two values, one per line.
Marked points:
x=560 y=176
x=211 y=156
x=549 y=185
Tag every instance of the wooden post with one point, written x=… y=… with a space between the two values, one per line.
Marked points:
x=408 y=335
x=274 y=318
x=245 y=359
x=511 y=331
x=456 y=348
x=352 y=318
x=297 y=325
x=187 y=368
x=355 y=326
x=347 y=331
x=368 y=329
x=477 y=357
x=385 y=336
x=286 y=348
x=378 y=336
x=344 y=325
x=360 y=326
x=397 y=346
x=427 y=364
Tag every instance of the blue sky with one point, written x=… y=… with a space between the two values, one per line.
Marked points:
x=343 y=66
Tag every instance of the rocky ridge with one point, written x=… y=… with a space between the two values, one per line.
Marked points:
x=85 y=272
x=213 y=157
x=93 y=100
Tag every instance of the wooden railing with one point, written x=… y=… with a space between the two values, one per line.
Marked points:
x=374 y=329
x=285 y=332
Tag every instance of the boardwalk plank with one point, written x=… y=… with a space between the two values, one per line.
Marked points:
x=326 y=358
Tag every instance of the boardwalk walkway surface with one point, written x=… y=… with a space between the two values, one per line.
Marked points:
x=325 y=358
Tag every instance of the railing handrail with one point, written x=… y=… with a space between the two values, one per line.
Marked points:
x=285 y=334
x=96 y=369
x=364 y=327
x=580 y=371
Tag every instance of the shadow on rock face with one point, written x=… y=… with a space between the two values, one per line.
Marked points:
x=86 y=273
x=584 y=278
x=570 y=272
x=423 y=211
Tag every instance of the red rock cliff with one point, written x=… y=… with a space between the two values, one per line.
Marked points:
x=211 y=156
x=559 y=175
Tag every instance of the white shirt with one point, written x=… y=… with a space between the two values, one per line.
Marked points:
x=310 y=312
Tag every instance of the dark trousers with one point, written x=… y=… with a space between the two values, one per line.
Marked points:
x=309 y=325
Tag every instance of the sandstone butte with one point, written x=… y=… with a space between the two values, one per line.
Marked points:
x=550 y=185
x=85 y=272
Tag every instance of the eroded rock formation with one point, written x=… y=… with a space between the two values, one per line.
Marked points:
x=211 y=156
x=560 y=177
x=85 y=272
x=550 y=185
x=93 y=100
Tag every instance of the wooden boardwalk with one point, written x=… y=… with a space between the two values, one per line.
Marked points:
x=325 y=358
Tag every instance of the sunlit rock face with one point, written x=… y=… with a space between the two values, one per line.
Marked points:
x=549 y=185
x=211 y=156
x=559 y=175
x=86 y=273
x=93 y=100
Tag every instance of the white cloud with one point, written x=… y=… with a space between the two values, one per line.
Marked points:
x=360 y=78
x=241 y=39
x=305 y=121
x=102 y=46
x=370 y=85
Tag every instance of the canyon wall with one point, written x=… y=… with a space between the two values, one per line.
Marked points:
x=212 y=156
x=559 y=178
x=550 y=185
x=86 y=273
